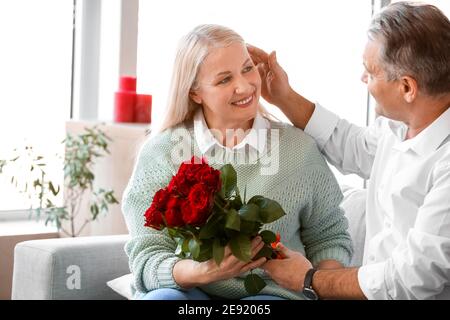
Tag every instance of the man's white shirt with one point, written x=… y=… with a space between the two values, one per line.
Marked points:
x=407 y=246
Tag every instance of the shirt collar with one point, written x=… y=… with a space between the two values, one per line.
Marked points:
x=206 y=140
x=426 y=141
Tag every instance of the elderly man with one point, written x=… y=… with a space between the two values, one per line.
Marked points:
x=405 y=154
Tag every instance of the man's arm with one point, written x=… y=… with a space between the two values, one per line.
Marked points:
x=329 y=284
x=337 y=284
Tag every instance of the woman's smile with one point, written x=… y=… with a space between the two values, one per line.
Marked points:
x=243 y=103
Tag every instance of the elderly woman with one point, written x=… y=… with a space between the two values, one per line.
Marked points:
x=214 y=95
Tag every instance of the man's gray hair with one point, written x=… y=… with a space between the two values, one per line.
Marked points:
x=415 y=42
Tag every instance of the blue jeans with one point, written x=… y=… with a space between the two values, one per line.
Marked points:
x=192 y=294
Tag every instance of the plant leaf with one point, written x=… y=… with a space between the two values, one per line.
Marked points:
x=194 y=248
x=269 y=210
x=250 y=212
x=229 y=180
x=254 y=284
x=94 y=211
x=212 y=226
x=206 y=251
x=233 y=220
x=218 y=251
x=268 y=236
x=241 y=247
x=266 y=251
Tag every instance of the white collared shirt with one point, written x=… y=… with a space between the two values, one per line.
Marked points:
x=255 y=139
x=407 y=246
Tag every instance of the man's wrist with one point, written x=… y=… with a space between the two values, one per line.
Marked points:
x=308 y=290
x=298 y=109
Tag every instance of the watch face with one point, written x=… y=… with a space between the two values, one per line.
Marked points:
x=310 y=294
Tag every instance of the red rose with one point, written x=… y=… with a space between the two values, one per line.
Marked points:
x=160 y=199
x=211 y=177
x=200 y=204
x=153 y=218
x=200 y=196
x=153 y=215
x=173 y=215
x=179 y=184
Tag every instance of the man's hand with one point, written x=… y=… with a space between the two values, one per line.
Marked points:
x=288 y=272
x=275 y=86
x=276 y=90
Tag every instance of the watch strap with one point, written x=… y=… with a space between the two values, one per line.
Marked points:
x=309 y=278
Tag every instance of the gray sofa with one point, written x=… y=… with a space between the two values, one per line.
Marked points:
x=78 y=268
x=68 y=268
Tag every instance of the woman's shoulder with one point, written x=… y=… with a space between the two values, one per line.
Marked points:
x=160 y=145
x=293 y=137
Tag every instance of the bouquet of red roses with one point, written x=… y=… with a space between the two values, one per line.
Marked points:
x=203 y=212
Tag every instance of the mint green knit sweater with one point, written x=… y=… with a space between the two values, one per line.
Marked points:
x=303 y=184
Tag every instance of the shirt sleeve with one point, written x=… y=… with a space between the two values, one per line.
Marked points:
x=351 y=149
x=419 y=269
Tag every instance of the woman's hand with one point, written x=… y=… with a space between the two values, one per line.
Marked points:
x=231 y=266
x=275 y=87
x=189 y=273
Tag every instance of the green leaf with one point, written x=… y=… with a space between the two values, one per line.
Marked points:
x=218 y=251
x=179 y=249
x=94 y=211
x=250 y=228
x=206 y=251
x=233 y=220
x=52 y=188
x=229 y=180
x=172 y=232
x=266 y=251
x=185 y=246
x=241 y=247
x=194 y=248
x=268 y=236
x=250 y=212
x=212 y=226
x=254 y=284
x=269 y=210
x=236 y=203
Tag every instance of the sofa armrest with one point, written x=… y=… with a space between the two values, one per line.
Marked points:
x=69 y=268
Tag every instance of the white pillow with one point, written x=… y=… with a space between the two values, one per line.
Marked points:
x=122 y=285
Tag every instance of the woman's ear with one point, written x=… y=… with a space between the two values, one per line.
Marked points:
x=409 y=88
x=193 y=94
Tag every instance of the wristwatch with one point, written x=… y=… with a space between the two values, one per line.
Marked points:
x=308 y=290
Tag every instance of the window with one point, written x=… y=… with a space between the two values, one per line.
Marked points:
x=320 y=44
x=35 y=82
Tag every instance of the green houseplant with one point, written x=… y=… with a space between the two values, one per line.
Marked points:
x=81 y=151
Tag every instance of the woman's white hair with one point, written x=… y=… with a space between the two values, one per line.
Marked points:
x=192 y=51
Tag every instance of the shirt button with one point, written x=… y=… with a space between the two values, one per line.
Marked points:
x=372 y=258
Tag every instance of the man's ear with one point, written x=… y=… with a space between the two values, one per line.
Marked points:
x=409 y=88
x=193 y=94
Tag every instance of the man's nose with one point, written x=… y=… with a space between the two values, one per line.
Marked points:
x=364 y=77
